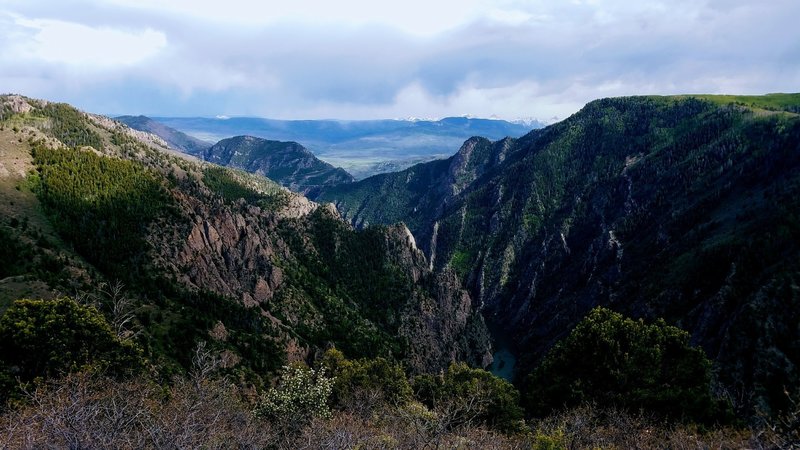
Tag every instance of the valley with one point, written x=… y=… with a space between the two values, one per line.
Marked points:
x=673 y=207
x=670 y=223
x=362 y=147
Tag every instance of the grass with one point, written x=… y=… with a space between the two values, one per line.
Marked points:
x=772 y=102
x=16 y=198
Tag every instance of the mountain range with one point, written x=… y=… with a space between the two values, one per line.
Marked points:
x=288 y=163
x=174 y=138
x=362 y=147
x=681 y=208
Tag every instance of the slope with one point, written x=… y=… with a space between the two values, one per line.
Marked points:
x=288 y=163
x=211 y=254
x=176 y=139
x=677 y=207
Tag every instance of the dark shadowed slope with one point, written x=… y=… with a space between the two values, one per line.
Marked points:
x=678 y=207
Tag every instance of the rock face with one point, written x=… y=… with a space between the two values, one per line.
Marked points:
x=287 y=163
x=679 y=208
x=217 y=253
x=229 y=253
x=266 y=257
x=444 y=325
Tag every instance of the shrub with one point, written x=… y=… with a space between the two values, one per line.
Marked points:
x=300 y=395
x=45 y=338
x=466 y=396
x=378 y=378
x=626 y=363
x=50 y=337
x=90 y=411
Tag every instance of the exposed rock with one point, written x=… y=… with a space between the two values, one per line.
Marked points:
x=17 y=104
x=218 y=332
x=642 y=204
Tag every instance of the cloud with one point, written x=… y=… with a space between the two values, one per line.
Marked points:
x=74 y=44
x=419 y=17
x=358 y=59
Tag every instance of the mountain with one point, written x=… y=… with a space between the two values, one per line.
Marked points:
x=174 y=138
x=684 y=207
x=288 y=163
x=362 y=147
x=209 y=254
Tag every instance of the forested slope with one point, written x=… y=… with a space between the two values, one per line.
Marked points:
x=678 y=207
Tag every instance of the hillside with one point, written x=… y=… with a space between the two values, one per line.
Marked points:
x=678 y=207
x=174 y=138
x=288 y=163
x=362 y=147
x=205 y=253
x=148 y=299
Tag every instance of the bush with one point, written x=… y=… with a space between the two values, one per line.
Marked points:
x=379 y=379
x=46 y=338
x=616 y=361
x=466 y=396
x=83 y=411
x=51 y=337
x=300 y=395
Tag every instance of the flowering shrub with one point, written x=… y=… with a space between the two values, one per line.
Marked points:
x=300 y=395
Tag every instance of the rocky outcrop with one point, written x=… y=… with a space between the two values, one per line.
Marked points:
x=229 y=253
x=239 y=251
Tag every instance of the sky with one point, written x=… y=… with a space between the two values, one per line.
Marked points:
x=368 y=59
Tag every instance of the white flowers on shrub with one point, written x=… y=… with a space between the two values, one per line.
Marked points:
x=300 y=395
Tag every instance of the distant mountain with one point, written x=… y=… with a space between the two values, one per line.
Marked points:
x=288 y=163
x=176 y=139
x=363 y=147
x=686 y=208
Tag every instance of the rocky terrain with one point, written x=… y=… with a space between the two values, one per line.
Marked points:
x=206 y=252
x=678 y=207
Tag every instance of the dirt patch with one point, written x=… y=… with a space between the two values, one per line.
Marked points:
x=15 y=288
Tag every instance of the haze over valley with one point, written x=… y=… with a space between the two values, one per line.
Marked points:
x=362 y=148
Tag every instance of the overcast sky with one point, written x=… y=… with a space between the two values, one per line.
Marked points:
x=354 y=59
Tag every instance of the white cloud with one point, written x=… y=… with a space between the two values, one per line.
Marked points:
x=73 y=44
x=367 y=59
x=417 y=17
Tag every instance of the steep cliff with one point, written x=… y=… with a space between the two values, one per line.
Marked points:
x=209 y=253
x=677 y=207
